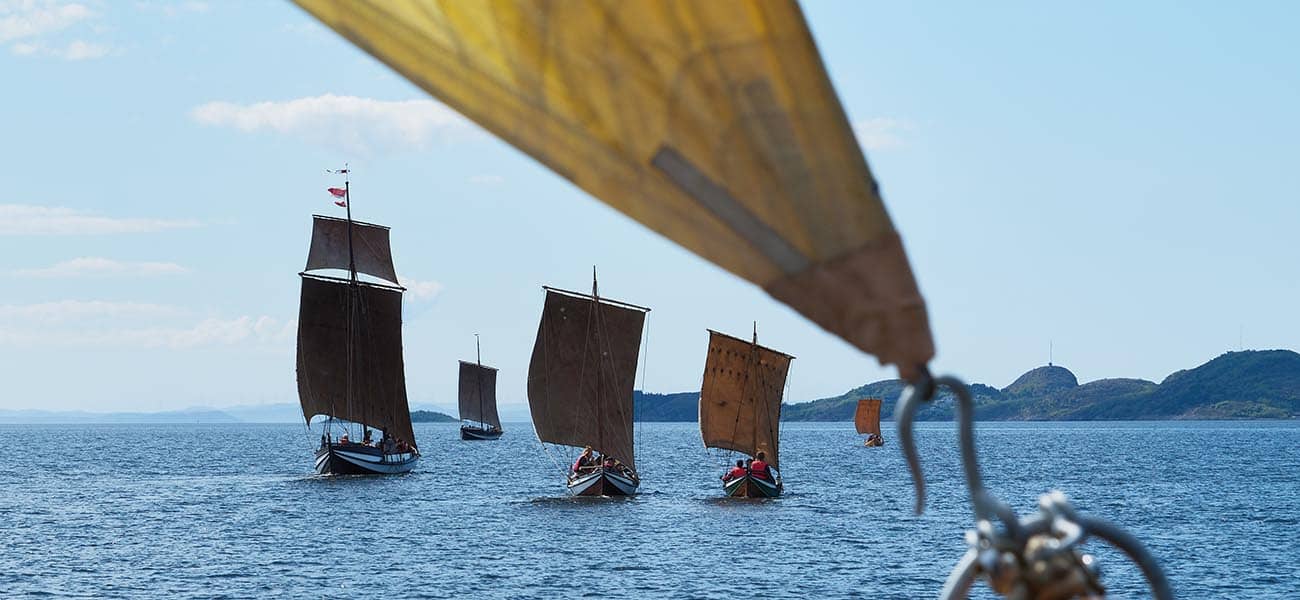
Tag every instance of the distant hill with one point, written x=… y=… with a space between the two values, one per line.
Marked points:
x=682 y=406
x=431 y=416
x=1253 y=384
x=34 y=417
x=267 y=413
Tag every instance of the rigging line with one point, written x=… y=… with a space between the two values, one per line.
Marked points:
x=717 y=453
x=558 y=467
x=645 y=366
x=789 y=366
x=744 y=397
x=615 y=377
x=613 y=367
x=582 y=376
x=546 y=385
x=772 y=441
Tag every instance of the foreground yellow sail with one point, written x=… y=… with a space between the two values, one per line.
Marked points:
x=713 y=123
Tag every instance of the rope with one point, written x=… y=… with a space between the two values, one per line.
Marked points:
x=776 y=436
x=744 y=395
x=546 y=385
x=645 y=368
x=613 y=373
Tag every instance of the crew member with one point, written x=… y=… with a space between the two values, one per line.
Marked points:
x=758 y=468
x=736 y=472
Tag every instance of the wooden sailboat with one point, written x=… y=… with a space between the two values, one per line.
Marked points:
x=478 y=399
x=580 y=381
x=740 y=409
x=867 y=420
x=350 y=350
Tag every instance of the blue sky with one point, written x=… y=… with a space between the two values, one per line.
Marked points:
x=1117 y=178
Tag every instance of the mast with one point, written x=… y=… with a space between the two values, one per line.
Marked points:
x=347 y=204
x=600 y=364
x=352 y=279
x=754 y=363
x=478 y=378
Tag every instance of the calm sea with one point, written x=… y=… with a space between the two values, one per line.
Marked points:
x=232 y=511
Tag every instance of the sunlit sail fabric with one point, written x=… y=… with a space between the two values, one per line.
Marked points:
x=740 y=400
x=582 y=371
x=478 y=394
x=370 y=247
x=377 y=380
x=713 y=123
x=867 y=417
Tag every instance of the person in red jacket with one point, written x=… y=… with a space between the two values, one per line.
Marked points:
x=736 y=472
x=758 y=468
x=586 y=463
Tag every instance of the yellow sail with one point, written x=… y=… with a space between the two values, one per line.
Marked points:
x=713 y=123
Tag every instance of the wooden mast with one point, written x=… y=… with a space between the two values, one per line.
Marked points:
x=600 y=364
x=478 y=379
x=350 y=346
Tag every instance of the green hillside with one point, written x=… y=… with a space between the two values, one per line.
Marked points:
x=682 y=406
x=1254 y=384
x=430 y=416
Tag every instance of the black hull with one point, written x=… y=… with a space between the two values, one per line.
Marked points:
x=603 y=482
x=475 y=433
x=752 y=487
x=356 y=459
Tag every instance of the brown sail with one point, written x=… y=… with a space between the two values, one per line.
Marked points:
x=582 y=372
x=374 y=371
x=740 y=401
x=370 y=247
x=478 y=394
x=867 y=417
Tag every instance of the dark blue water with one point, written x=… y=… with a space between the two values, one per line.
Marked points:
x=233 y=512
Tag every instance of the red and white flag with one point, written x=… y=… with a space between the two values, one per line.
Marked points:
x=339 y=193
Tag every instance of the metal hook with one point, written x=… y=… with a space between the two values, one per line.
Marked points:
x=926 y=389
x=999 y=555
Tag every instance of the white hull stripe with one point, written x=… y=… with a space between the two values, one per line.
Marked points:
x=378 y=467
x=582 y=484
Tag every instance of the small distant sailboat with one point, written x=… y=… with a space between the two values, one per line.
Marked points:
x=478 y=399
x=350 y=349
x=580 y=381
x=740 y=409
x=867 y=420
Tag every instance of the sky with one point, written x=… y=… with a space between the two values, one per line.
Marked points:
x=1115 y=180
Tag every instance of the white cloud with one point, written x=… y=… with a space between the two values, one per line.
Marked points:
x=421 y=290
x=79 y=50
x=172 y=9
x=28 y=219
x=486 y=179
x=21 y=19
x=261 y=330
x=352 y=124
x=79 y=310
x=76 y=50
x=308 y=27
x=881 y=133
x=93 y=266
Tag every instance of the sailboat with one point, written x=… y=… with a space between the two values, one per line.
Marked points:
x=478 y=399
x=580 y=381
x=740 y=408
x=350 y=349
x=867 y=420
